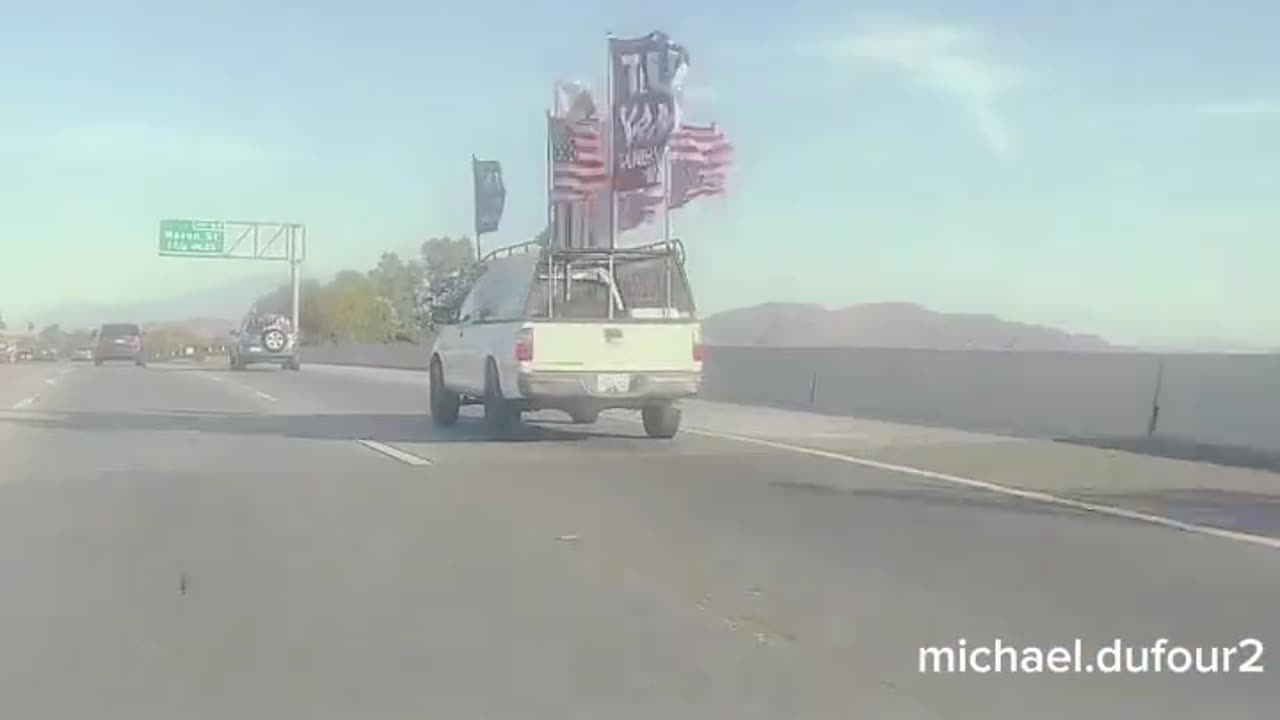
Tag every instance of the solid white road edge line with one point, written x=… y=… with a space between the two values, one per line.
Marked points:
x=1033 y=495
x=402 y=456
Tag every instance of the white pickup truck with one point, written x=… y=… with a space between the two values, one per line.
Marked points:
x=576 y=330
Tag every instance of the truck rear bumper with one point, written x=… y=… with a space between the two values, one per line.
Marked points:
x=266 y=357
x=567 y=387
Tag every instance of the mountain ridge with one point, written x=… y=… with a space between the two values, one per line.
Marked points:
x=903 y=325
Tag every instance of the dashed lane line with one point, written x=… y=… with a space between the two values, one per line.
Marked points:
x=398 y=454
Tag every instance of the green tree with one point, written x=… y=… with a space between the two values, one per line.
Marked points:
x=315 y=327
x=52 y=337
x=396 y=282
x=355 y=311
x=450 y=268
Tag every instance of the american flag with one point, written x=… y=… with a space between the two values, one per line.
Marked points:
x=698 y=161
x=699 y=157
x=577 y=160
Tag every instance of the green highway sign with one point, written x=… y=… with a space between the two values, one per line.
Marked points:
x=192 y=237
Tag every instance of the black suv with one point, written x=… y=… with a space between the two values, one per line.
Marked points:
x=119 y=341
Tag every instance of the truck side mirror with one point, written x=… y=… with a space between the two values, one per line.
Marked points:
x=444 y=315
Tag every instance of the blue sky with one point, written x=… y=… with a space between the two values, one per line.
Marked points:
x=1106 y=167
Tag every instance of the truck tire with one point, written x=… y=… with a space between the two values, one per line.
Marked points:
x=500 y=415
x=584 y=416
x=444 y=404
x=661 y=421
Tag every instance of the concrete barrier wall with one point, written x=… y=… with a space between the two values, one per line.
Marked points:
x=1037 y=394
x=405 y=356
x=1225 y=400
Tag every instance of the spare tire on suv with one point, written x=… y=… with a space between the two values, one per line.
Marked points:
x=274 y=340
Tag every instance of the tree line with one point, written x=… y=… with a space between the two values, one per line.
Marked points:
x=391 y=302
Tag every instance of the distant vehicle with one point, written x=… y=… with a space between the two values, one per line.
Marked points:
x=46 y=354
x=119 y=341
x=82 y=355
x=575 y=330
x=266 y=338
x=24 y=354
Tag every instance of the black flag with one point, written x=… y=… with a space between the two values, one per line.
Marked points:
x=491 y=194
x=647 y=74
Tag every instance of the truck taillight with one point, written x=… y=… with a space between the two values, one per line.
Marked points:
x=524 y=346
x=699 y=352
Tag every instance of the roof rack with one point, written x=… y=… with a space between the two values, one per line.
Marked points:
x=661 y=248
x=640 y=252
x=518 y=248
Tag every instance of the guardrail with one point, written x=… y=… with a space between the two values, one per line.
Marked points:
x=1221 y=408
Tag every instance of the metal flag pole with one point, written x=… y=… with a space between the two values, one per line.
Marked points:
x=613 y=200
x=666 y=195
x=475 y=208
x=551 y=219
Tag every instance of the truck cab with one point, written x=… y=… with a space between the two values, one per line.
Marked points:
x=575 y=330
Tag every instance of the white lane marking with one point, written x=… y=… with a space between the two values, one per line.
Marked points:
x=1033 y=495
x=398 y=454
x=264 y=396
x=25 y=402
x=215 y=378
x=51 y=381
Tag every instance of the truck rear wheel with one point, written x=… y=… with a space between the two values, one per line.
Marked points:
x=661 y=421
x=444 y=404
x=500 y=415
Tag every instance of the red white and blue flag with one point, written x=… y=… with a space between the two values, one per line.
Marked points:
x=578 y=168
x=698 y=159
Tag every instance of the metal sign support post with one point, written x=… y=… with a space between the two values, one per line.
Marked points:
x=295 y=278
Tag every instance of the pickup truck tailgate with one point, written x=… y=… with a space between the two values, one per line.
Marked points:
x=622 y=347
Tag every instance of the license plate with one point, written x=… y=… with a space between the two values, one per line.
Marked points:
x=255 y=348
x=607 y=383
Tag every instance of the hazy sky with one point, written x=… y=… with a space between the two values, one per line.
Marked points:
x=1104 y=166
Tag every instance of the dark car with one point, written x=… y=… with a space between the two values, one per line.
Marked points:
x=119 y=341
x=266 y=338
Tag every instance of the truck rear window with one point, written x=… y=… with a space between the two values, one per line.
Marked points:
x=120 y=330
x=642 y=285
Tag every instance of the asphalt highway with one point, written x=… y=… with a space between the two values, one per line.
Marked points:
x=182 y=541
